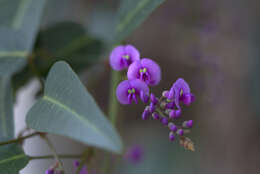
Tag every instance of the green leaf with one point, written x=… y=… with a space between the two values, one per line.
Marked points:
x=19 y=21
x=131 y=14
x=18 y=25
x=68 y=109
x=6 y=109
x=66 y=41
x=12 y=159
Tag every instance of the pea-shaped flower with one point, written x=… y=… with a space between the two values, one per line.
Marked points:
x=146 y=70
x=122 y=56
x=181 y=91
x=128 y=91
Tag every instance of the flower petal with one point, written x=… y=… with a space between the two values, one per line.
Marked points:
x=133 y=52
x=133 y=70
x=153 y=69
x=139 y=85
x=122 y=93
x=116 y=58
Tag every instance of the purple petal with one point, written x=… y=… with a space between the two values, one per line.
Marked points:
x=133 y=52
x=133 y=70
x=122 y=93
x=122 y=90
x=179 y=85
x=139 y=86
x=117 y=61
x=153 y=69
x=116 y=58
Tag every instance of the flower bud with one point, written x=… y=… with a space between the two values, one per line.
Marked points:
x=156 y=116
x=152 y=107
x=187 y=124
x=180 y=132
x=172 y=127
x=164 y=121
x=171 y=136
x=153 y=99
x=145 y=114
x=165 y=93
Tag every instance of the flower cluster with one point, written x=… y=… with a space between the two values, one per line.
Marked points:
x=142 y=73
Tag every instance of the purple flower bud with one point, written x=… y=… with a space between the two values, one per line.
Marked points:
x=134 y=154
x=153 y=99
x=170 y=94
x=144 y=97
x=122 y=56
x=156 y=116
x=171 y=136
x=170 y=105
x=146 y=114
x=172 y=127
x=180 y=132
x=83 y=170
x=152 y=107
x=164 y=121
x=165 y=94
x=146 y=70
x=174 y=114
x=128 y=90
x=188 y=124
x=50 y=171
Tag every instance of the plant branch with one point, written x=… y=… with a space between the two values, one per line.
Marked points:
x=67 y=156
x=55 y=155
x=19 y=139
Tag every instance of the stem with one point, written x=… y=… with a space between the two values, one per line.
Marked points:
x=112 y=110
x=51 y=156
x=86 y=157
x=20 y=139
x=113 y=104
x=55 y=155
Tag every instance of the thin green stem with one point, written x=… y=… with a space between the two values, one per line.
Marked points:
x=112 y=111
x=55 y=155
x=66 y=156
x=113 y=103
x=20 y=139
x=87 y=155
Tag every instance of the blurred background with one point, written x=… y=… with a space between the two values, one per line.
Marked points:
x=213 y=45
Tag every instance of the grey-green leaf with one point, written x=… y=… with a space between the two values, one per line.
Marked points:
x=6 y=109
x=68 y=109
x=131 y=14
x=19 y=20
x=12 y=159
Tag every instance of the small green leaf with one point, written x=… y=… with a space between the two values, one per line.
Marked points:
x=12 y=159
x=68 y=109
x=131 y=14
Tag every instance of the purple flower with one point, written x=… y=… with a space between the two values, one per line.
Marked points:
x=181 y=92
x=134 y=154
x=146 y=70
x=122 y=56
x=83 y=170
x=50 y=171
x=128 y=91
